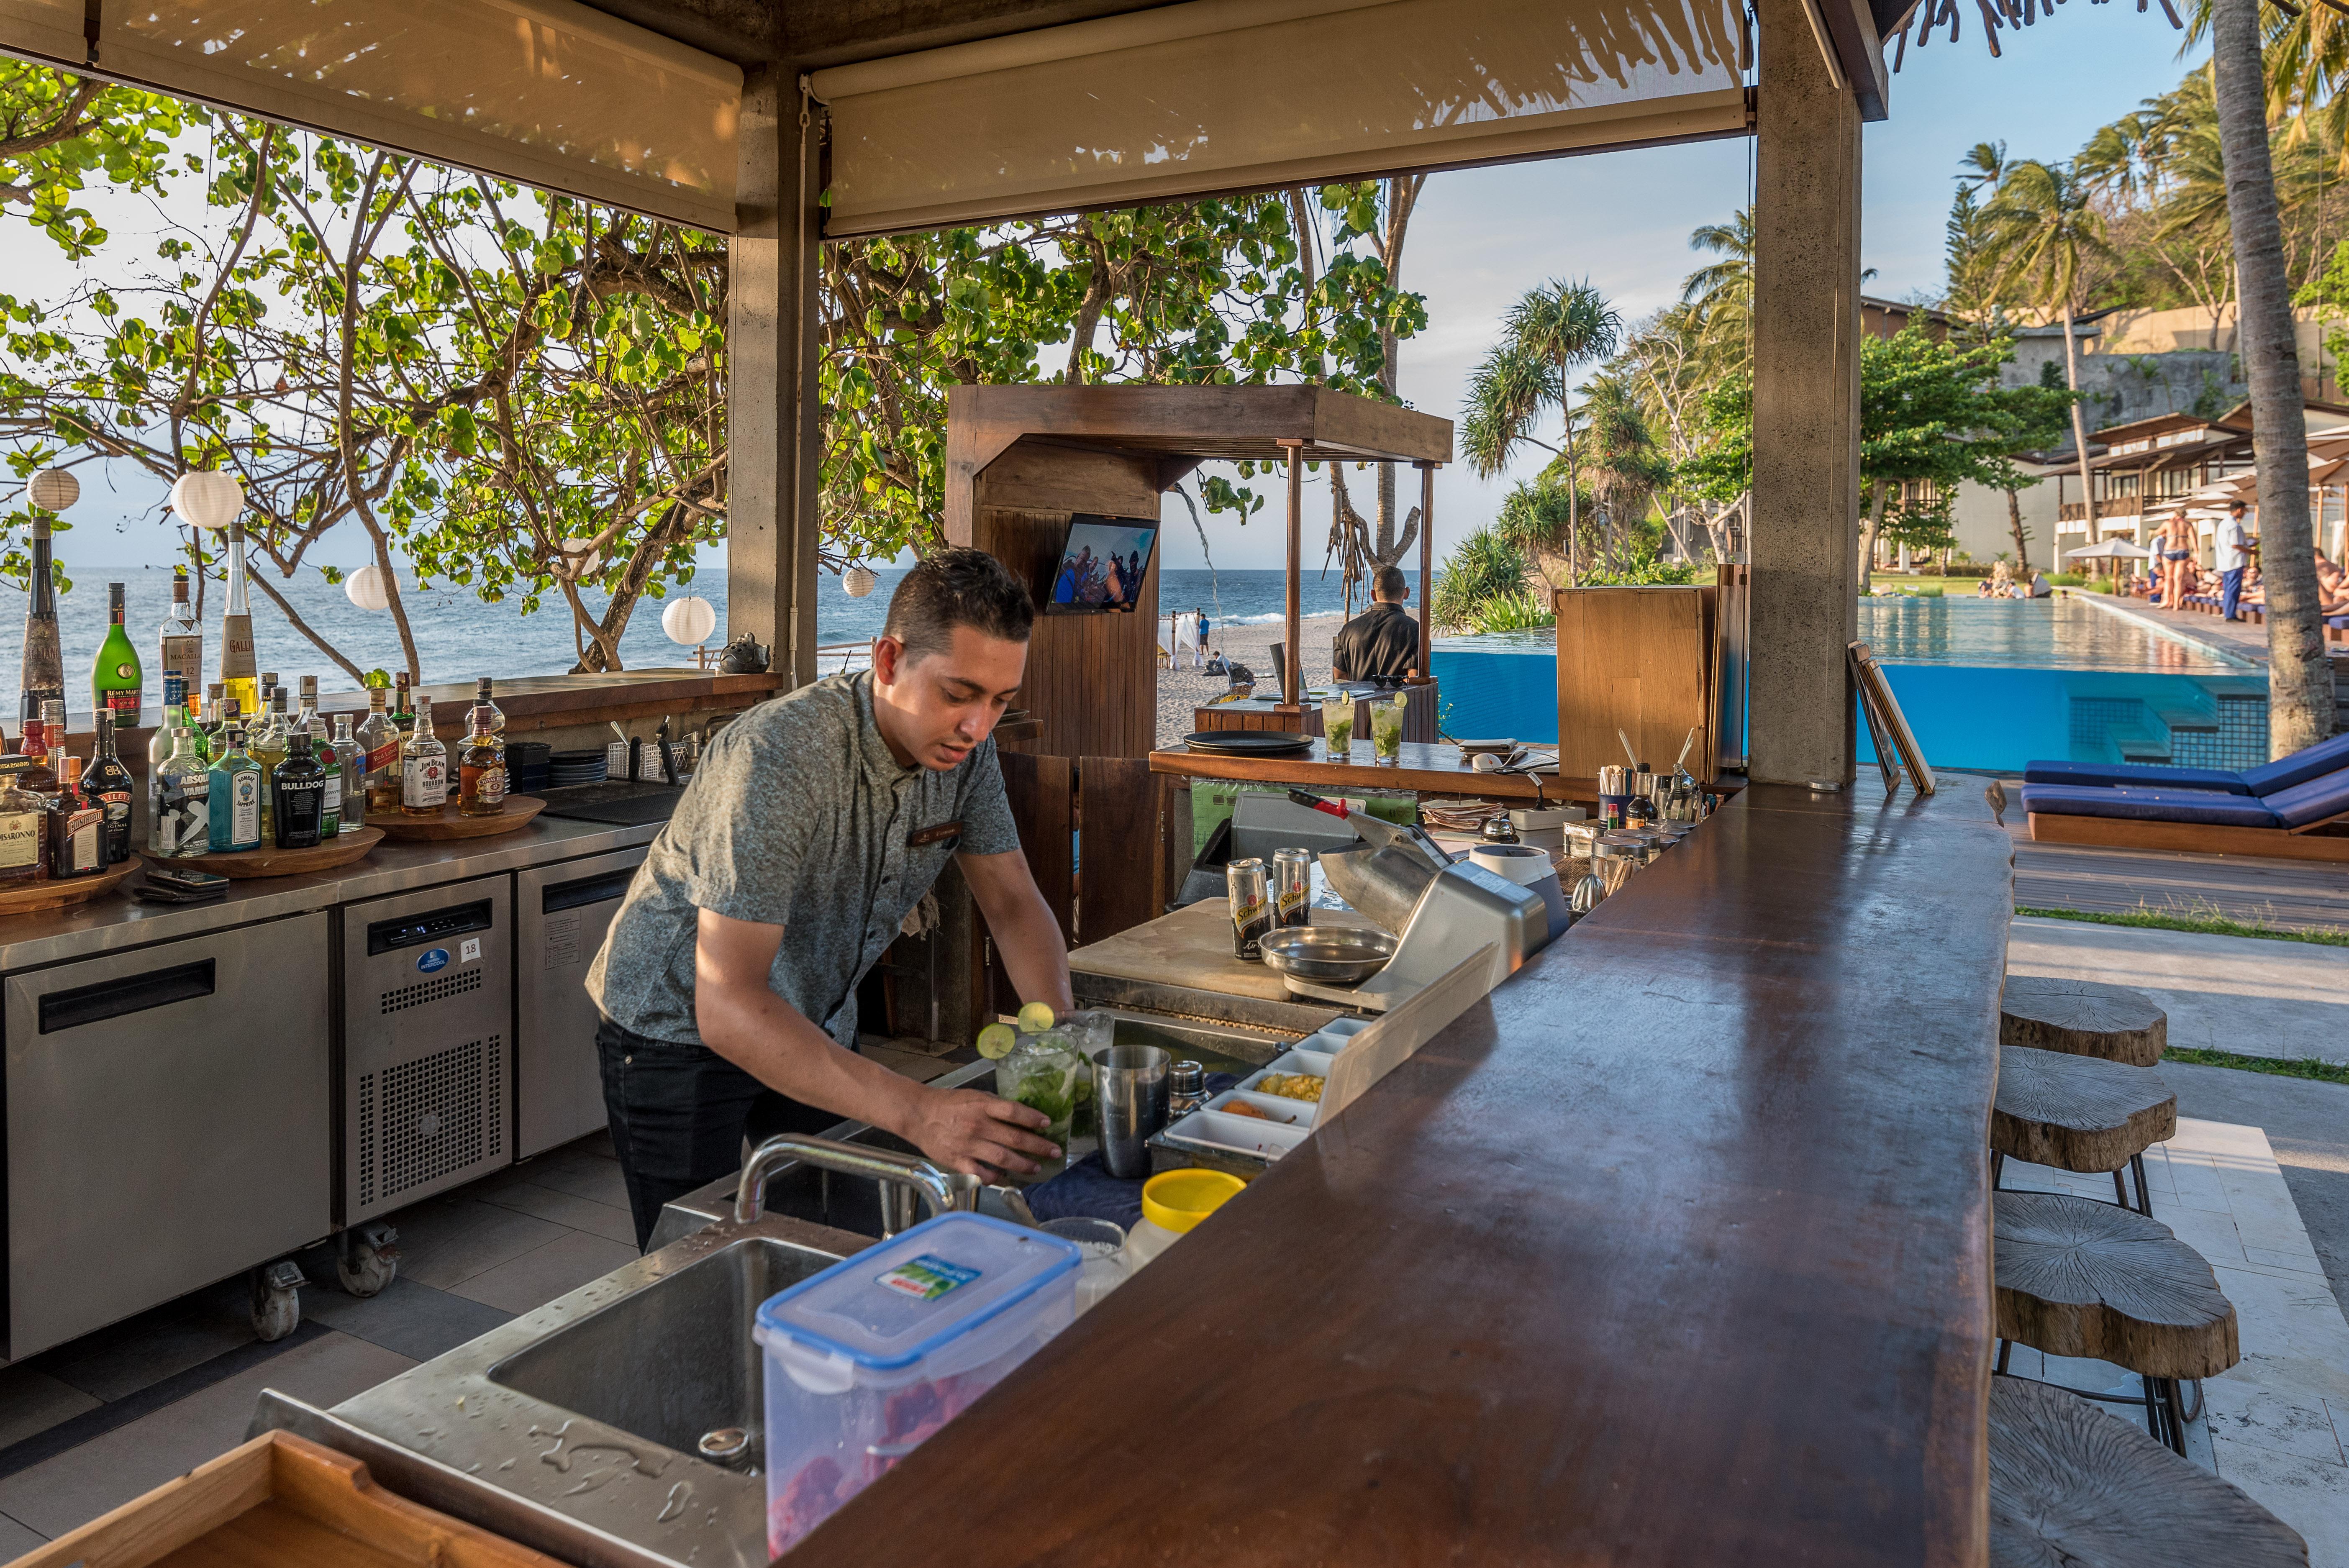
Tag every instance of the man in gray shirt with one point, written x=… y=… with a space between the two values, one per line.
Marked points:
x=814 y=822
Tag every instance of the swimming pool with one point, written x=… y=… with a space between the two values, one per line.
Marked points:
x=1987 y=684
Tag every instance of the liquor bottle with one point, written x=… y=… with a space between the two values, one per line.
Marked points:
x=378 y=743
x=350 y=770
x=117 y=684
x=268 y=690
x=159 y=748
x=77 y=828
x=180 y=818
x=481 y=770
x=423 y=768
x=207 y=731
x=483 y=705
x=232 y=716
x=44 y=666
x=297 y=788
x=40 y=777
x=235 y=790
x=24 y=826
x=322 y=748
x=237 y=630
x=403 y=715
x=267 y=743
x=108 y=784
x=183 y=647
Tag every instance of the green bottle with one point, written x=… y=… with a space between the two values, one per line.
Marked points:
x=236 y=795
x=116 y=681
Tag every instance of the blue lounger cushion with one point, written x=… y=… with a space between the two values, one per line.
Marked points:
x=2304 y=805
x=2309 y=762
x=2208 y=806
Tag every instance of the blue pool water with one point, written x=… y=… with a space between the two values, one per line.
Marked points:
x=1986 y=684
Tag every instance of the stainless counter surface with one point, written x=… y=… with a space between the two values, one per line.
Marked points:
x=117 y=921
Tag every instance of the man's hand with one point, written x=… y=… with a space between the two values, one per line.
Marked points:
x=973 y=1132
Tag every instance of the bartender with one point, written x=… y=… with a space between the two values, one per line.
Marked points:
x=728 y=983
x=1381 y=643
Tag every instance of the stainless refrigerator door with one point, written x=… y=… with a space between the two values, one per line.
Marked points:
x=169 y=1123
x=561 y=914
x=427 y=1042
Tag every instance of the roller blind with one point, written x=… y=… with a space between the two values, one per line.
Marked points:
x=546 y=92
x=1225 y=95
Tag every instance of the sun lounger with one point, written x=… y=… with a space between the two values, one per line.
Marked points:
x=2301 y=766
x=2287 y=824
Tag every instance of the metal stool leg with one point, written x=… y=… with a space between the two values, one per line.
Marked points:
x=2120 y=1189
x=2144 y=1197
x=1997 y=1167
x=2005 y=1349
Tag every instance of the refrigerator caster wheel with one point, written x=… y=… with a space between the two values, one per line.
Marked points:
x=369 y=1261
x=278 y=1300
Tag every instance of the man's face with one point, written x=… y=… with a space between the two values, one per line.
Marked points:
x=935 y=710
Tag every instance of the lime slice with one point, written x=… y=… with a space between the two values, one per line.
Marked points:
x=1036 y=1017
x=996 y=1040
x=1401 y=701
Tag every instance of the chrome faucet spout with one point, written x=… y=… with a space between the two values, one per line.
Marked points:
x=940 y=1191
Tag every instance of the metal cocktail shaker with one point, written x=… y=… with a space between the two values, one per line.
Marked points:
x=1130 y=1099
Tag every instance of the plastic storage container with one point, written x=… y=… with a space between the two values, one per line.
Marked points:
x=869 y=1357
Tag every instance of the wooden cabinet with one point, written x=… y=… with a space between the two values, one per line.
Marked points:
x=1641 y=661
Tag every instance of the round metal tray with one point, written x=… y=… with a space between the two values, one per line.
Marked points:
x=1311 y=952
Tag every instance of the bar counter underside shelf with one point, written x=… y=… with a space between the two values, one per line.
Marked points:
x=1672 y=1251
x=1422 y=767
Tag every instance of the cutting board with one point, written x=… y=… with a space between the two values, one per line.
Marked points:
x=1193 y=947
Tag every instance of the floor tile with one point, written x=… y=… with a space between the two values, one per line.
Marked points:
x=2294 y=1263
x=16 y=1539
x=537 y=1277
x=582 y=1176
x=33 y=1401
x=76 y=1486
x=414 y=1320
x=2242 y=1413
x=567 y=1209
x=2310 y=1495
x=154 y=1346
x=481 y=1238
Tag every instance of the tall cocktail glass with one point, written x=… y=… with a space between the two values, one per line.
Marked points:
x=1386 y=729
x=1337 y=726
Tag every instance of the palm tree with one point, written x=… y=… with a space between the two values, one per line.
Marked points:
x=1548 y=334
x=2044 y=235
x=1721 y=292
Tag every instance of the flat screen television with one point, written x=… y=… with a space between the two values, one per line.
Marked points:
x=1101 y=564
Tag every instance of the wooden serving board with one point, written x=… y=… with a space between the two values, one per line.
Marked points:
x=62 y=892
x=450 y=824
x=344 y=849
x=1193 y=947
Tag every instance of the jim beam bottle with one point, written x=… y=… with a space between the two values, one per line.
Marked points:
x=423 y=768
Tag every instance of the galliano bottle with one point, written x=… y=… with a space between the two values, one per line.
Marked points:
x=237 y=668
x=181 y=645
x=236 y=791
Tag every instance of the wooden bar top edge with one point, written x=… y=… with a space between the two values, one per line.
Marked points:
x=1673 y=1250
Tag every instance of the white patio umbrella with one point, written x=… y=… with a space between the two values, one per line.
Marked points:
x=2111 y=549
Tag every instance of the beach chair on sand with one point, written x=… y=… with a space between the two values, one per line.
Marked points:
x=2296 y=808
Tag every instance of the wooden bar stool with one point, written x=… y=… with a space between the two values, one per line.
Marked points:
x=2077 y=1113
x=2077 y=1277
x=2070 y=1486
x=2082 y=1018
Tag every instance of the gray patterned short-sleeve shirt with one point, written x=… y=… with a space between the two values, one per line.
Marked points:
x=798 y=816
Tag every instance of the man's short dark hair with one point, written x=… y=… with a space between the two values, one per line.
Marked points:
x=1389 y=582
x=2236 y=506
x=957 y=587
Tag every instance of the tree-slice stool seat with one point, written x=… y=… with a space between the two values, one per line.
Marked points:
x=2083 y=1018
x=2077 y=1113
x=2077 y=1277
x=2071 y=1488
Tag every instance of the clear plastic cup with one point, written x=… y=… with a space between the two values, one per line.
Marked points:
x=1102 y=1243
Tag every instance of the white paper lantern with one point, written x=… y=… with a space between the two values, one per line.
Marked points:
x=366 y=589
x=52 y=490
x=579 y=558
x=858 y=581
x=208 y=498
x=690 y=622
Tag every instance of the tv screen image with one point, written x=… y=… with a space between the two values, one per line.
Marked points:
x=1101 y=565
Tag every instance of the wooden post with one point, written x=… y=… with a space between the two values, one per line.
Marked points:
x=1292 y=684
x=1426 y=570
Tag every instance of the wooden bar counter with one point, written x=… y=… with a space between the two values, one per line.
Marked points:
x=1421 y=766
x=1673 y=1252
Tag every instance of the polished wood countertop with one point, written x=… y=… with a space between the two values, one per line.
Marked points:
x=1673 y=1252
x=1426 y=767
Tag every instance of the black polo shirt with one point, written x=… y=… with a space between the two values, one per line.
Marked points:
x=1381 y=643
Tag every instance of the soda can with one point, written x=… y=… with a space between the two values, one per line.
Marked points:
x=1250 y=892
x=1292 y=886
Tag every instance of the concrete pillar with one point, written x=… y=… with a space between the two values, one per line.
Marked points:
x=1804 y=542
x=773 y=526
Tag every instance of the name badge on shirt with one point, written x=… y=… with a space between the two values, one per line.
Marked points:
x=942 y=833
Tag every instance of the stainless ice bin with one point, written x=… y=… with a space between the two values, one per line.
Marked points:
x=561 y=914
x=168 y=1121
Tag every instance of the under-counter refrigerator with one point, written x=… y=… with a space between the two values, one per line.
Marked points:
x=561 y=914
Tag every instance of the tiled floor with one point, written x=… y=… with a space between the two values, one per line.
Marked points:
x=2277 y=1424
x=93 y=1424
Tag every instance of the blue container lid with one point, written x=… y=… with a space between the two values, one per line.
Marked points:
x=899 y=1302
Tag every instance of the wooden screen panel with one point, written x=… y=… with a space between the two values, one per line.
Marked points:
x=1118 y=855
x=1633 y=659
x=1092 y=680
x=1040 y=791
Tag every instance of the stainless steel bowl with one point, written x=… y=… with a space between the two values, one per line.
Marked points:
x=1326 y=952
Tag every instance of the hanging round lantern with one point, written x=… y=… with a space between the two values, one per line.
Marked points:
x=579 y=558
x=208 y=498
x=690 y=622
x=52 y=490
x=367 y=589
x=859 y=581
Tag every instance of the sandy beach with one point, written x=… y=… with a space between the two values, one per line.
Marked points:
x=1183 y=688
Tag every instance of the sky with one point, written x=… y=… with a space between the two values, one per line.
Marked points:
x=1480 y=238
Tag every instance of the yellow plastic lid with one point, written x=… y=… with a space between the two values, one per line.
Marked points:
x=1179 y=1199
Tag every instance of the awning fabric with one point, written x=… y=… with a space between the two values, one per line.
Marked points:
x=546 y=92
x=1216 y=95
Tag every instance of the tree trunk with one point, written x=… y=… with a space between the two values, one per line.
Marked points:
x=1573 y=486
x=2014 y=522
x=1867 y=537
x=2079 y=428
x=2300 y=676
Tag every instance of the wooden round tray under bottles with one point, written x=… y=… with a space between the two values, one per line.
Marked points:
x=450 y=824
x=62 y=892
x=340 y=851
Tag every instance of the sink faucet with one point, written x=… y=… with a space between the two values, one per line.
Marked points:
x=939 y=1190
